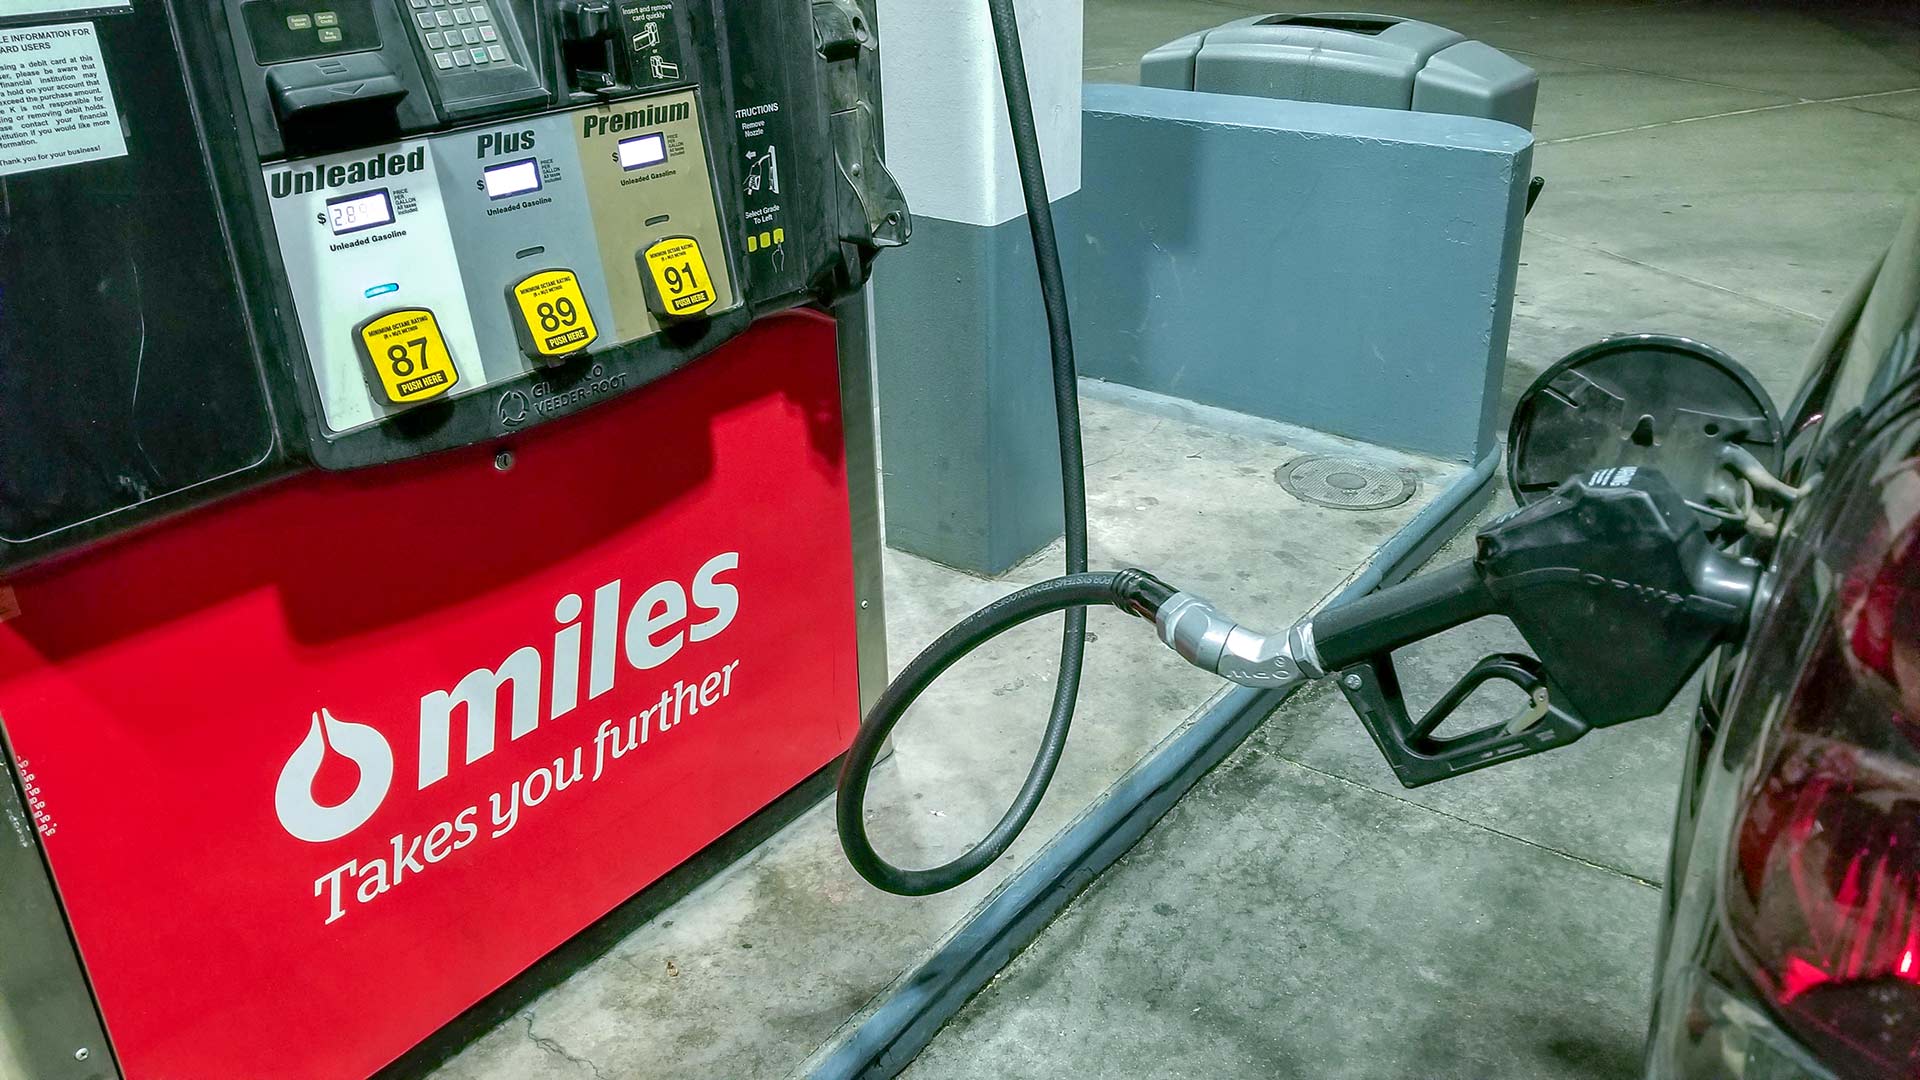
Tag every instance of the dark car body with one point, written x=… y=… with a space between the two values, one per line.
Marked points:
x=1791 y=944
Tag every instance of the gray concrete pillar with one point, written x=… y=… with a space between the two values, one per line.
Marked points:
x=967 y=439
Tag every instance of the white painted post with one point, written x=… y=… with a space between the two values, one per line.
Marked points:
x=946 y=119
x=968 y=450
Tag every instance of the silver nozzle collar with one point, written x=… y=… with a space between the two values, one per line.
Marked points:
x=1212 y=642
x=1195 y=629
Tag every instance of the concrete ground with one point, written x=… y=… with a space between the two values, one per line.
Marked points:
x=1716 y=169
x=755 y=969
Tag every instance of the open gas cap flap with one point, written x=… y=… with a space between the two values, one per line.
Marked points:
x=1648 y=400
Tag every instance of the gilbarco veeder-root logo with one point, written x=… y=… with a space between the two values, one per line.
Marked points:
x=659 y=624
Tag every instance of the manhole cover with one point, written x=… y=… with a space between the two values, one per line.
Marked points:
x=1344 y=483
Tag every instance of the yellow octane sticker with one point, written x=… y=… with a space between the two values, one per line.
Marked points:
x=680 y=276
x=554 y=313
x=408 y=355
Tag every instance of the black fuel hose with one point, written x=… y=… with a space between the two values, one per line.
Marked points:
x=1131 y=590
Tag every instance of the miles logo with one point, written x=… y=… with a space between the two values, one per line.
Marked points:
x=594 y=124
x=306 y=179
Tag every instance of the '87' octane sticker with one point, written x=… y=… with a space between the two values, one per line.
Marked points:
x=408 y=356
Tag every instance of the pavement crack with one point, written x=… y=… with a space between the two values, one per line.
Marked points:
x=1840 y=100
x=1158 y=422
x=1548 y=848
x=1792 y=99
x=552 y=1046
x=1587 y=245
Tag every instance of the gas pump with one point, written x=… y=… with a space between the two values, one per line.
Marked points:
x=422 y=437
x=494 y=198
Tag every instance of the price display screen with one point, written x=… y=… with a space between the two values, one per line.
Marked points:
x=513 y=178
x=365 y=210
x=643 y=151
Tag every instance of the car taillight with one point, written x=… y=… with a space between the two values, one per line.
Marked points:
x=1823 y=889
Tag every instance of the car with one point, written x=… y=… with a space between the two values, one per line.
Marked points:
x=1790 y=946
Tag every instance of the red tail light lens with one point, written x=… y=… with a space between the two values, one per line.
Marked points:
x=1823 y=896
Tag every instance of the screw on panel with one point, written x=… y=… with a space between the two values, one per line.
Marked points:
x=503 y=460
x=82 y=1054
x=1352 y=680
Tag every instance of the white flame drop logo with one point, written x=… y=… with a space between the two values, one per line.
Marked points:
x=293 y=795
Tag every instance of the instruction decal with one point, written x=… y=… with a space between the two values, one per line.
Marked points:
x=19 y=9
x=56 y=107
x=762 y=129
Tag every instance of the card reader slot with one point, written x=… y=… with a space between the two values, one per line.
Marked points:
x=336 y=100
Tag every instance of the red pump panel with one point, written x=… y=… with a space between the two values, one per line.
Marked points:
x=318 y=768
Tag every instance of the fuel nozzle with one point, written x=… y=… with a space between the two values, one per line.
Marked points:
x=1611 y=580
x=1617 y=588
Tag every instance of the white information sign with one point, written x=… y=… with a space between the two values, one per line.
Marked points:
x=56 y=107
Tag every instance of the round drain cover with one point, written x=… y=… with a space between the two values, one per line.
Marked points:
x=1344 y=483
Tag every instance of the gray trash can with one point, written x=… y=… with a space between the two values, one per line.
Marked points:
x=1349 y=58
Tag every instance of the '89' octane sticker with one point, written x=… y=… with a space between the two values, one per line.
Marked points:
x=553 y=318
x=408 y=356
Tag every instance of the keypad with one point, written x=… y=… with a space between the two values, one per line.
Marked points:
x=460 y=34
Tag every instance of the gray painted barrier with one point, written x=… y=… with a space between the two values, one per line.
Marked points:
x=1341 y=268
